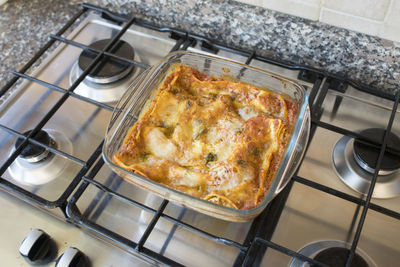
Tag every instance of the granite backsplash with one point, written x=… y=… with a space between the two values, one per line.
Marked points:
x=25 y=26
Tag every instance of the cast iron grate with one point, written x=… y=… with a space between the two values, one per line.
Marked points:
x=259 y=235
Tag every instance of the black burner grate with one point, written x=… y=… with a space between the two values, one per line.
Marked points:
x=259 y=235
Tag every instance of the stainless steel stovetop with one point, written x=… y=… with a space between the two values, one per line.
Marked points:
x=311 y=219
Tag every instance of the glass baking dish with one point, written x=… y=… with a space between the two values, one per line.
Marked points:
x=141 y=91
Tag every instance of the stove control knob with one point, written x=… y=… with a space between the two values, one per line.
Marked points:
x=37 y=247
x=72 y=257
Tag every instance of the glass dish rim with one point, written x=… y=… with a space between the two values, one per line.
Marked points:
x=152 y=73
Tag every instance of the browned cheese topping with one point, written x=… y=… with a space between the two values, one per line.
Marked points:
x=212 y=138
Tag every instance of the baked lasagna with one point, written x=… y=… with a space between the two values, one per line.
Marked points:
x=214 y=138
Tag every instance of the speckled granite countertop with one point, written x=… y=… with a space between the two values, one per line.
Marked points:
x=25 y=25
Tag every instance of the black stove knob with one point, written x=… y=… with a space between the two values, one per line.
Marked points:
x=73 y=257
x=37 y=247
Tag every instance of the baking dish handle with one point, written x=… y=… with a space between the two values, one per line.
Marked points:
x=297 y=155
x=126 y=98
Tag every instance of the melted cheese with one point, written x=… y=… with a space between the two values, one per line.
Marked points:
x=159 y=145
x=247 y=112
x=211 y=138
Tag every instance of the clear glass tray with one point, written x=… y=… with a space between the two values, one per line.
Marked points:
x=141 y=91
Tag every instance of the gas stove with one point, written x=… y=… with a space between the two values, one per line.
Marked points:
x=342 y=208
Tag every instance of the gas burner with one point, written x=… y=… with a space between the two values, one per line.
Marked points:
x=337 y=256
x=366 y=155
x=33 y=153
x=108 y=81
x=354 y=162
x=36 y=165
x=332 y=253
x=110 y=69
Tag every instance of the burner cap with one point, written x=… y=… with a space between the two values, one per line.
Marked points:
x=331 y=253
x=109 y=69
x=45 y=167
x=357 y=178
x=35 y=153
x=366 y=155
x=337 y=256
